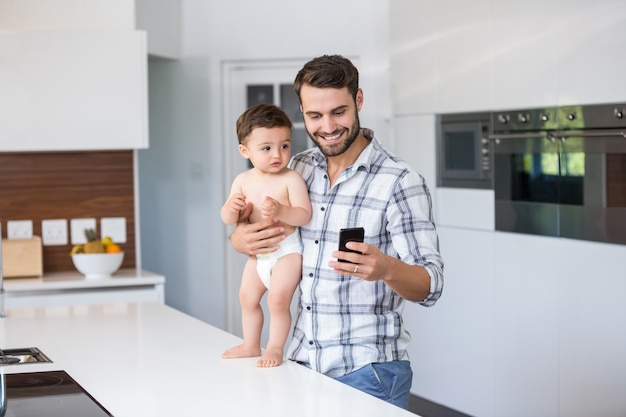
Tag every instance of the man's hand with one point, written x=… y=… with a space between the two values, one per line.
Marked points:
x=371 y=264
x=411 y=282
x=256 y=238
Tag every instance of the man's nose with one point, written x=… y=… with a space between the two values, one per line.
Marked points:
x=328 y=125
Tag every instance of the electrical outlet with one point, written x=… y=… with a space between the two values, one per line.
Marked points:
x=19 y=229
x=54 y=232
x=113 y=227
x=78 y=227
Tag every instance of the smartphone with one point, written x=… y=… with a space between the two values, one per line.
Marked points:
x=354 y=234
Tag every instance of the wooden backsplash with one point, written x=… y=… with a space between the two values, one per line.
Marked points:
x=68 y=185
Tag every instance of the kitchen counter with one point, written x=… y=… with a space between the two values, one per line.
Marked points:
x=72 y=288
x=148 y=359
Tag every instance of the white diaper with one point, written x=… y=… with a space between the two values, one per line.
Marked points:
x=265 y=262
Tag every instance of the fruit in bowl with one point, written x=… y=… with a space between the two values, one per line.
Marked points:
x=98 y=258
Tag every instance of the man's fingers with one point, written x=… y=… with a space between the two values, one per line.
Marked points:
x=243 y=216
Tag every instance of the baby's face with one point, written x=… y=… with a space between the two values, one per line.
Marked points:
x=269 y=150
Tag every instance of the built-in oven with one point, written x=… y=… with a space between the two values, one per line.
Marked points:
x=464 y=158
x=561 y=171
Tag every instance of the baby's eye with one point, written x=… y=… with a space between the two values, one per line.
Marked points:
x=265 y=148
x=285 y=146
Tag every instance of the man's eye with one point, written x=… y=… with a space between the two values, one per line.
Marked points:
x=339 y=112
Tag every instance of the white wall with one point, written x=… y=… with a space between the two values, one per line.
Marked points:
x=182 y=174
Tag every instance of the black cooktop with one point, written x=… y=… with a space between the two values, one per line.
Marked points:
x=49 y=394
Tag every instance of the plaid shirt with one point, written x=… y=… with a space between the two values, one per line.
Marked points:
x=344 y=323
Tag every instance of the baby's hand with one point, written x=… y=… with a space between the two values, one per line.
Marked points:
x=237 y=202
x=270 y=207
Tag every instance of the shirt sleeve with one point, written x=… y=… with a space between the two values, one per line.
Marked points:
x=413 y=231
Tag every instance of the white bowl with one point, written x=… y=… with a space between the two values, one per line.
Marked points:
x=97 y=265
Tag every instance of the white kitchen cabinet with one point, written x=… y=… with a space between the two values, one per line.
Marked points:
x=452 y=56
x=440 y=61
x=67 y=15
x=478 y=208
x=524 y=54
x=73 y=90
x=464 y=56
x=527 y=283
x=591 y=62
x=413 y=56
x=453 y=343
x=592 y=365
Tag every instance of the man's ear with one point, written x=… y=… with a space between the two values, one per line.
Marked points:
x=244 y=151
x=359 y=99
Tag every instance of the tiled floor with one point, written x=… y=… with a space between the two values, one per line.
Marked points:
x=426 y=408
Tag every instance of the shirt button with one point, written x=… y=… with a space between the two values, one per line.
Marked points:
x=317 y=242
x=308 y=308
x=310 y=275
x=310 y=342
x=322 y=208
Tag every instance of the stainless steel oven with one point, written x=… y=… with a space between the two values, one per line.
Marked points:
x=464 y=158
x=561 y=171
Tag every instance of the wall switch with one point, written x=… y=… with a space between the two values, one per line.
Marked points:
x=54 y=232
x=114 y=227
x=19 y=229
x=78 y=227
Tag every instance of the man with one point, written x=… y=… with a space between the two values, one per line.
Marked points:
x=349 y=324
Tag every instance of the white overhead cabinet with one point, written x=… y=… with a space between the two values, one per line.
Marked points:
x=451 y=56
x=73 y=90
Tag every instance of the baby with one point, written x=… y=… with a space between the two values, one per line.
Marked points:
x=275 y=191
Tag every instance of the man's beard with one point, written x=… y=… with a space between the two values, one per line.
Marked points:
x=338 y=148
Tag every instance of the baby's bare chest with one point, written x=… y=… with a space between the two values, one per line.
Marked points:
x=256 y=193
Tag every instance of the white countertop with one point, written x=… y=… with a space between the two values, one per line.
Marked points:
x=151 y=360
x=76 y=280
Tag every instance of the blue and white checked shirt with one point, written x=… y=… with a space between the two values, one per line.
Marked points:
x=344 y=323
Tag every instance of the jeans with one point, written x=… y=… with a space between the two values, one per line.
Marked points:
x=389 y=381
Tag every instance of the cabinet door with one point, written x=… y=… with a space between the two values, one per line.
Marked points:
x=464 y=55
x=592 y=341
x=413 y=55
x=73 y=91
x=524 y=53
x=590 y=38
x=453 y=344
x=528 y=276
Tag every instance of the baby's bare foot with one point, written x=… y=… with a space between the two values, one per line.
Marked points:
x=241 y=351
x=271 y=358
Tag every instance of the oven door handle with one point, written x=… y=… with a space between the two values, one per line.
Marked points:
x=528 y=135
x=590 y=134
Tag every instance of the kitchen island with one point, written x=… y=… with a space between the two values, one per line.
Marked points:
x=148 y=359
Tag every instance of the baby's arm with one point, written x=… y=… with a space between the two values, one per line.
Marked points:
x=299 y=213
x=232 y=207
